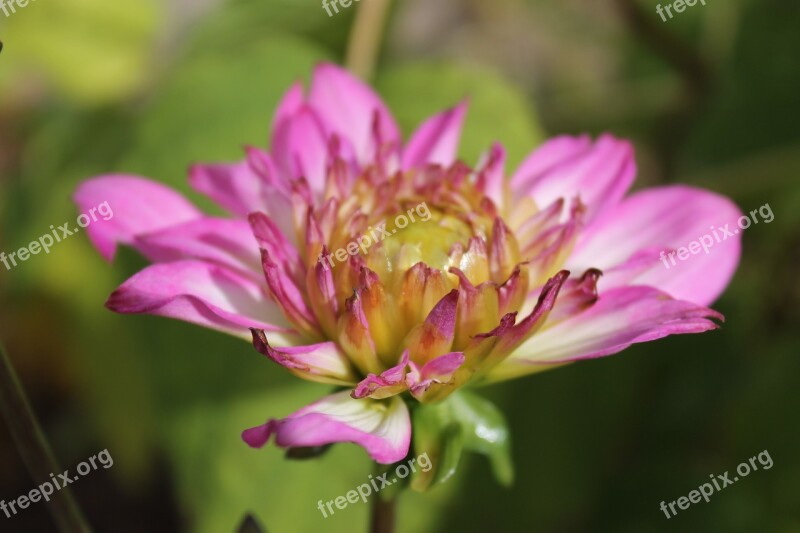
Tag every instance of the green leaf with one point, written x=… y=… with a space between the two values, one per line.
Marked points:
x=498 y=111
x=93 y=51
x=462 y=422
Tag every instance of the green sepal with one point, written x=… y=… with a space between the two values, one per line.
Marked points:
x=464 y=421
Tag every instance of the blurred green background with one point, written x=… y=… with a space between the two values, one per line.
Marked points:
x=709 y=98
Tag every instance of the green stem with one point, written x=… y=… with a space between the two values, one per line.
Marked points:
x=34 y=449
x=365 y=37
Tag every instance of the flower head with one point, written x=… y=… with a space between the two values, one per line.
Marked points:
x=403 y=274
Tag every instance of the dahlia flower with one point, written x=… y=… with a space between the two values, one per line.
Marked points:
x=500 y=276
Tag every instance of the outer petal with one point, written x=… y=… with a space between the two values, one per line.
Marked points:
x=621 y=317
x=138 y=205
x=222 y=241
x=204 y=294
x=383 y=428
x=626 y=244
x=352 y=110
x=234 y=186
x=292 y=101
x=253 y=184
x=599 y=174
x=300 y=148
x=436 y=140
x=323 y=362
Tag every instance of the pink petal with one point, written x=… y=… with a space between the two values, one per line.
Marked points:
x=234 y=186
x=382 y=428
x=351 y=108
x=276 y=190
x=288 y=296
x=289 y=105
x=281 y=251
x=620 y=317
x=389 y=383
x=226 y=242
x=300 y=148
x=435 y=336
x=576 y=296
x=491 y=175
x=201 y=293
x=510 y=336
x=436 y=140
x=626 y=244
x=546 y=158
x=323 y=362
x=435 y=374
x=138 y=205
x=599 y=174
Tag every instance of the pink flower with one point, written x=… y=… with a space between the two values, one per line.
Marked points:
x=496 y=278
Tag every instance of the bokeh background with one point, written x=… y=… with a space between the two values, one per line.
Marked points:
x=709 y=98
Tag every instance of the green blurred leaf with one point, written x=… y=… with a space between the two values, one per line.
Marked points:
x=95 y=51
x=220 y=478
x=498 y=111
x=464 y=421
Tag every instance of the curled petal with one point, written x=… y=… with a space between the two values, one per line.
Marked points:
x=281 y=251
x=422 y=288
x=576 y=296
x=355 y=337
x=382 y=315
x=436 y=379
x=382 y=428
x=323 y=362
x=388 y=383
x=504 y=254
x=695 y=222
x=136 y=206
x=489 y=349
x=511 y=294
x=322 y=294
x=288 y=296
x=204 y=294
x=435 y=336
x=620 y=317
x=478 y=308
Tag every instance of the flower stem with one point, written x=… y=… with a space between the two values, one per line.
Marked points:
x=383 y=514
x=34 y=449
x=365 y=37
